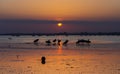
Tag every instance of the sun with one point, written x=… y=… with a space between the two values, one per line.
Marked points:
x=59 y=24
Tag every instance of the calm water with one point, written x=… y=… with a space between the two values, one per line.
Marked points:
x=27 y=42
x=19 y=55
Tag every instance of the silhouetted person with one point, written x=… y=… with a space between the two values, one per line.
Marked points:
x=82 y=41
x=65 y=43
x=43 y=60
x=59 y=42
x=54 y=40
x=36 y=40
x=48 y=42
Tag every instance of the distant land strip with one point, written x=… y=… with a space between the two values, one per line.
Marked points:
x=65 y=33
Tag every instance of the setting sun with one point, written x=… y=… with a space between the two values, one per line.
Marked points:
x=59 y=24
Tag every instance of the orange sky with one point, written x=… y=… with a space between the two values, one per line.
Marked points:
x=60 y=9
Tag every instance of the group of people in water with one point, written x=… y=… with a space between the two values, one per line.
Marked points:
x=59 y=42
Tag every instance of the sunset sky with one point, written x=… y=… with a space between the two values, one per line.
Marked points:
x=42 y=16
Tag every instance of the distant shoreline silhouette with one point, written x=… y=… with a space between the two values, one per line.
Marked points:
x=65 y=33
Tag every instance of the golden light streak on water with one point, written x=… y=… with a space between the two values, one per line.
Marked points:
x=60 y=48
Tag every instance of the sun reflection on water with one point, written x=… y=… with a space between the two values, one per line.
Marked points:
x=60 y=48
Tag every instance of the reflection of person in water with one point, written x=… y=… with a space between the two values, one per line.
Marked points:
x=43 y=60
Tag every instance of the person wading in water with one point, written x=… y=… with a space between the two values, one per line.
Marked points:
x=43 y=60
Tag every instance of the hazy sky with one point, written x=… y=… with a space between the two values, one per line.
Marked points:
x=42 y=15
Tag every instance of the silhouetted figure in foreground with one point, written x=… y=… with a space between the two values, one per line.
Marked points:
x=36 y=40
x=82 y=41
x=43 y=60
x=48 y=42
x=59 y=42
x=54 y=42
x=65 y=43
